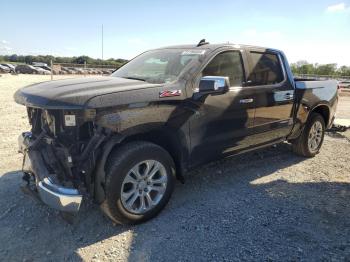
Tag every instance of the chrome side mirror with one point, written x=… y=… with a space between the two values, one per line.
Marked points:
x=214 y=85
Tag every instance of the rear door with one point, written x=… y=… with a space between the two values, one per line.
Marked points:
x=274 y=96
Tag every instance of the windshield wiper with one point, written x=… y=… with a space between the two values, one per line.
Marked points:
x=135 y=78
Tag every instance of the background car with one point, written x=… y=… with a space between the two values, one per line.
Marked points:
x=26 y=69
x=42 y=71
x=11 y=67
x=4 y=69
x=68 y=70
x=344 y=84
x=43 y=67
x=79 y=71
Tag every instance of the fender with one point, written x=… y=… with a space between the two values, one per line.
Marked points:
x=325 y=110
x=313 y=96
x=303 y=113
x=175 y=140
x=100 y=175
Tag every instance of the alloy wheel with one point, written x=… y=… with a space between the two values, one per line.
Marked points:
x=315 y=136
x=144 y=186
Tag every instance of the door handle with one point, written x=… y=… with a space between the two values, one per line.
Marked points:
x=288 y=96
x=246 y=101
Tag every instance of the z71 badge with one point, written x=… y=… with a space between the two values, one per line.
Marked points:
x=169 y=93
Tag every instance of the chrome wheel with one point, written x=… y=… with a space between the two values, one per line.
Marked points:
x=144 y=186
x=315 y=136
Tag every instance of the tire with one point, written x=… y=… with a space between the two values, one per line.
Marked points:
x=120 y=168
x=301 y=145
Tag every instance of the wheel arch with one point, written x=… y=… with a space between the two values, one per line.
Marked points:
x=304 y=115
x=324 y=111
x=173 y=141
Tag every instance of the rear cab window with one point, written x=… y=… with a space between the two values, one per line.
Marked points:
x=265 y=68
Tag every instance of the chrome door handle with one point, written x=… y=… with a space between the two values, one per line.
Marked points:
x=288 y=96
x=246 y=101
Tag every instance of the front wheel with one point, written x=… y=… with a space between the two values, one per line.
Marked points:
x=309 y=143
x=140 y=178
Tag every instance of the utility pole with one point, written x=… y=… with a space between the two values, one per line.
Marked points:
x=102 y=42
x=51 y=65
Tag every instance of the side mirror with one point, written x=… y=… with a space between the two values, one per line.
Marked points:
x=214 y=85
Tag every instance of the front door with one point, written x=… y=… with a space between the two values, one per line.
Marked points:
x=222 y=123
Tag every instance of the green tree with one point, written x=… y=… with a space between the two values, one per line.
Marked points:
x=327 y=69
x=116 y=63
x=303 y=67
x=344 y=71
x=28 y=59
x=83 y=59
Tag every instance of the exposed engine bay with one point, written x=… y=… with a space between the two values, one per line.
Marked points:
x=62 y=148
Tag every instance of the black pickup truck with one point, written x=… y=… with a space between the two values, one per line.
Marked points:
x=125 y=138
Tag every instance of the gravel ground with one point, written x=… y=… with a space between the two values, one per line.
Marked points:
x=343 y=111
x=268 y=205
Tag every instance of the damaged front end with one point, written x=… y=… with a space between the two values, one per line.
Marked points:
x=60 y=155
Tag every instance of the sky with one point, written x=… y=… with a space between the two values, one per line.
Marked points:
x=315 y=31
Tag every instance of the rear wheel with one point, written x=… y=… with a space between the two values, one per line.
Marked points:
x=139 y=182
x=309 y=143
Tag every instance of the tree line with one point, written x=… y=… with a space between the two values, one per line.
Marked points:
x=29 y=59
x=298 y=68
x=305 y=68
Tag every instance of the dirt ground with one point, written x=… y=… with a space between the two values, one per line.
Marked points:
x=268 y=205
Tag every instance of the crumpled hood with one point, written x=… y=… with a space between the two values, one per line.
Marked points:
x=75 y=93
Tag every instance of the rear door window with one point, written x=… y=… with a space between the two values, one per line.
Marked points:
x=266 y=69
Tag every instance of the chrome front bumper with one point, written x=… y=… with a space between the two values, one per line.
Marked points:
x=58 y=197
x=61 y=198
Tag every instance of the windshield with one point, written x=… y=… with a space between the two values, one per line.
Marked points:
x=158 y=66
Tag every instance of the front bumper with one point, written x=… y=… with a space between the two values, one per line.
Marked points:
x=58 y=197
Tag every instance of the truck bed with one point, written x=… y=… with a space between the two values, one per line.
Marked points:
x=330 y=85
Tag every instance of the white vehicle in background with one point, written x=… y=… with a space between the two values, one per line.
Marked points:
x=42 y=65
x=39 y=64
x=11 y=67
x=344 y=84
x=42 y=71
x=4 y=69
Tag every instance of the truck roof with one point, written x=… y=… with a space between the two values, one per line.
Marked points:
x=216 y=46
